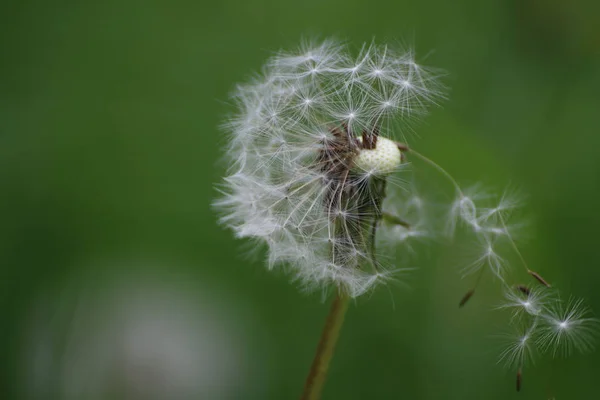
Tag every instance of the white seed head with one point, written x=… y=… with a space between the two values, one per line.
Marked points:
x=383 y=160
x=310 y=151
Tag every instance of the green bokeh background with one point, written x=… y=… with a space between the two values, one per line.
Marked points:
x=110 y=147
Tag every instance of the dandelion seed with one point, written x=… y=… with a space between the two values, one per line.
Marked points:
x=523 y=289
x=539 y=278
x=530 y=302
x=520 y=348
x=567 y=327
x=404 y=220
x=466 y=297
x=487 y=257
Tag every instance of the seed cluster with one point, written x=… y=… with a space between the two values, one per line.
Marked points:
x=311 y=150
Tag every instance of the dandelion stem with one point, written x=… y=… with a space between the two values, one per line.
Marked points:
x=318 y=370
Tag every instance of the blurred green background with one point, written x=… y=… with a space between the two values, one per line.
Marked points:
x=109 y=153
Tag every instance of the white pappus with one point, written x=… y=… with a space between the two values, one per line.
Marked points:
x=312 y=152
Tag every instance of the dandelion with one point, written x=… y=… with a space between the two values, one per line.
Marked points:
x=313 y=155
x=317 y=174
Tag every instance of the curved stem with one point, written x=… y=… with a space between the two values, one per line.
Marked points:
x=318 y=370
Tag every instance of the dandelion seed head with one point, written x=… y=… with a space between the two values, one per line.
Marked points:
x=310 y=148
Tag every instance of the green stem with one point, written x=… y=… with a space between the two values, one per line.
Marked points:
x=318 y=371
